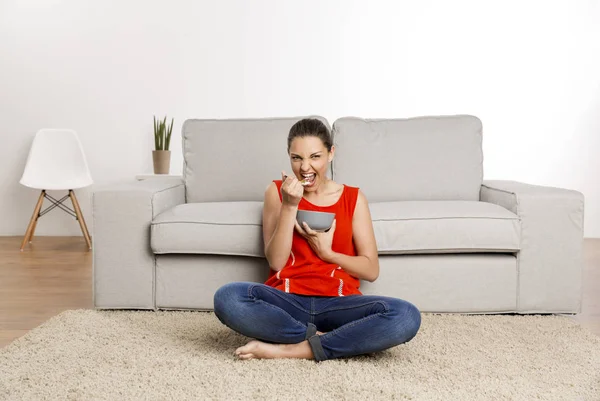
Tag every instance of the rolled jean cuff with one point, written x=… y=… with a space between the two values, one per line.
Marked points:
x=317 y=348
x=311 y=330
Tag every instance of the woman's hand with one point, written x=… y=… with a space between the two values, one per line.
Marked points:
x=319 y=242
x=291 y=190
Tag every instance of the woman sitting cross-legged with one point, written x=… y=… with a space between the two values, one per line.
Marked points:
x=310 y=306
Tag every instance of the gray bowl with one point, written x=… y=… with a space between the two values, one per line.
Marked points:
x=318 y=221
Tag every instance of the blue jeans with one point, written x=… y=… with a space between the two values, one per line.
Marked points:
x=355 y=324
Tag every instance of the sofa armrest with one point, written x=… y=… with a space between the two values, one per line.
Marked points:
x=550 y=261
x=123 y=262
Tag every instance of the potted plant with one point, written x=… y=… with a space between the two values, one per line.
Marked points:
x=161 y=156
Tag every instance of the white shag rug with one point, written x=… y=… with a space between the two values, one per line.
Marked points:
x=188 y=355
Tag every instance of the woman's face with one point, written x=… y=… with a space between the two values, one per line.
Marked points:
x=309 y=158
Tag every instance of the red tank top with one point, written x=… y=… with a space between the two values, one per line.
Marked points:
x=305 y=273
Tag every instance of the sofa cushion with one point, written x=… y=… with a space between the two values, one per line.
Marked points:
x=444 y=227
x=220 y=228
x=234 y=160
x=235 y=228
x=421 y=158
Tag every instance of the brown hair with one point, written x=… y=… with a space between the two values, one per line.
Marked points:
x=310 y=127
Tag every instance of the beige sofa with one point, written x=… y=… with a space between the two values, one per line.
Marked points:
x=448 y=240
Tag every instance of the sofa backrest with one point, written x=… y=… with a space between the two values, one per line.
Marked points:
x=235 y=159
x=421 y=158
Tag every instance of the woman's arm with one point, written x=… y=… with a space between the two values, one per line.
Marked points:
x=366 y=264
x=278 y=228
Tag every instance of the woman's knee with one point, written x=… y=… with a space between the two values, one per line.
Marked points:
x=227 y=295
x=413 y=315
x=408 y=320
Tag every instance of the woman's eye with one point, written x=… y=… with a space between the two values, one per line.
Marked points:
x=295 y=158
x=316 y=156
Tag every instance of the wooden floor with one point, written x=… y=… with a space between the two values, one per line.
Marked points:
x=54 y=274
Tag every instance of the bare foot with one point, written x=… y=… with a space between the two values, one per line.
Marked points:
x=260 y=350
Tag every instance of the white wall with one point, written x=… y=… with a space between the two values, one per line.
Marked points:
x=529 y=69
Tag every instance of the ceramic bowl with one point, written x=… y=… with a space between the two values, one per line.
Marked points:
x=318 y=221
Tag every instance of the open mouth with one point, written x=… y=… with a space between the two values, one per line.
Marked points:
x=309 y=179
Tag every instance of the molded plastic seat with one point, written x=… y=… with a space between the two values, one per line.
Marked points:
x=56 y=161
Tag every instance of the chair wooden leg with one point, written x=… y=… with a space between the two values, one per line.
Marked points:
x=84 y=229
x=33 y=229
x=33 y=221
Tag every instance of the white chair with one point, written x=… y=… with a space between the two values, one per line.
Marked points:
x=56 y=161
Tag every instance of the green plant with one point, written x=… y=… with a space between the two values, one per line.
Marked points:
x=162 y=134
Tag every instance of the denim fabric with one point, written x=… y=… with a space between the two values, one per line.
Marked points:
x=355 y=324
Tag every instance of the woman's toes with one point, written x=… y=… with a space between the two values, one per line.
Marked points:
x=246 y=349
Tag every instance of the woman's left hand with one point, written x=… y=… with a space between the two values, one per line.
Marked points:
x=320 y=242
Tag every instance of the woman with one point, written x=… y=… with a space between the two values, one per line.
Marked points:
x=310 y=306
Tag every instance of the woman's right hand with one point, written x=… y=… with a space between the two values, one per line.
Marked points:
x=291 y=190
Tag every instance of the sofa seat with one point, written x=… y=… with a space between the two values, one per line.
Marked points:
x=406 y=227
x=218 y=228
x=415 y=227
